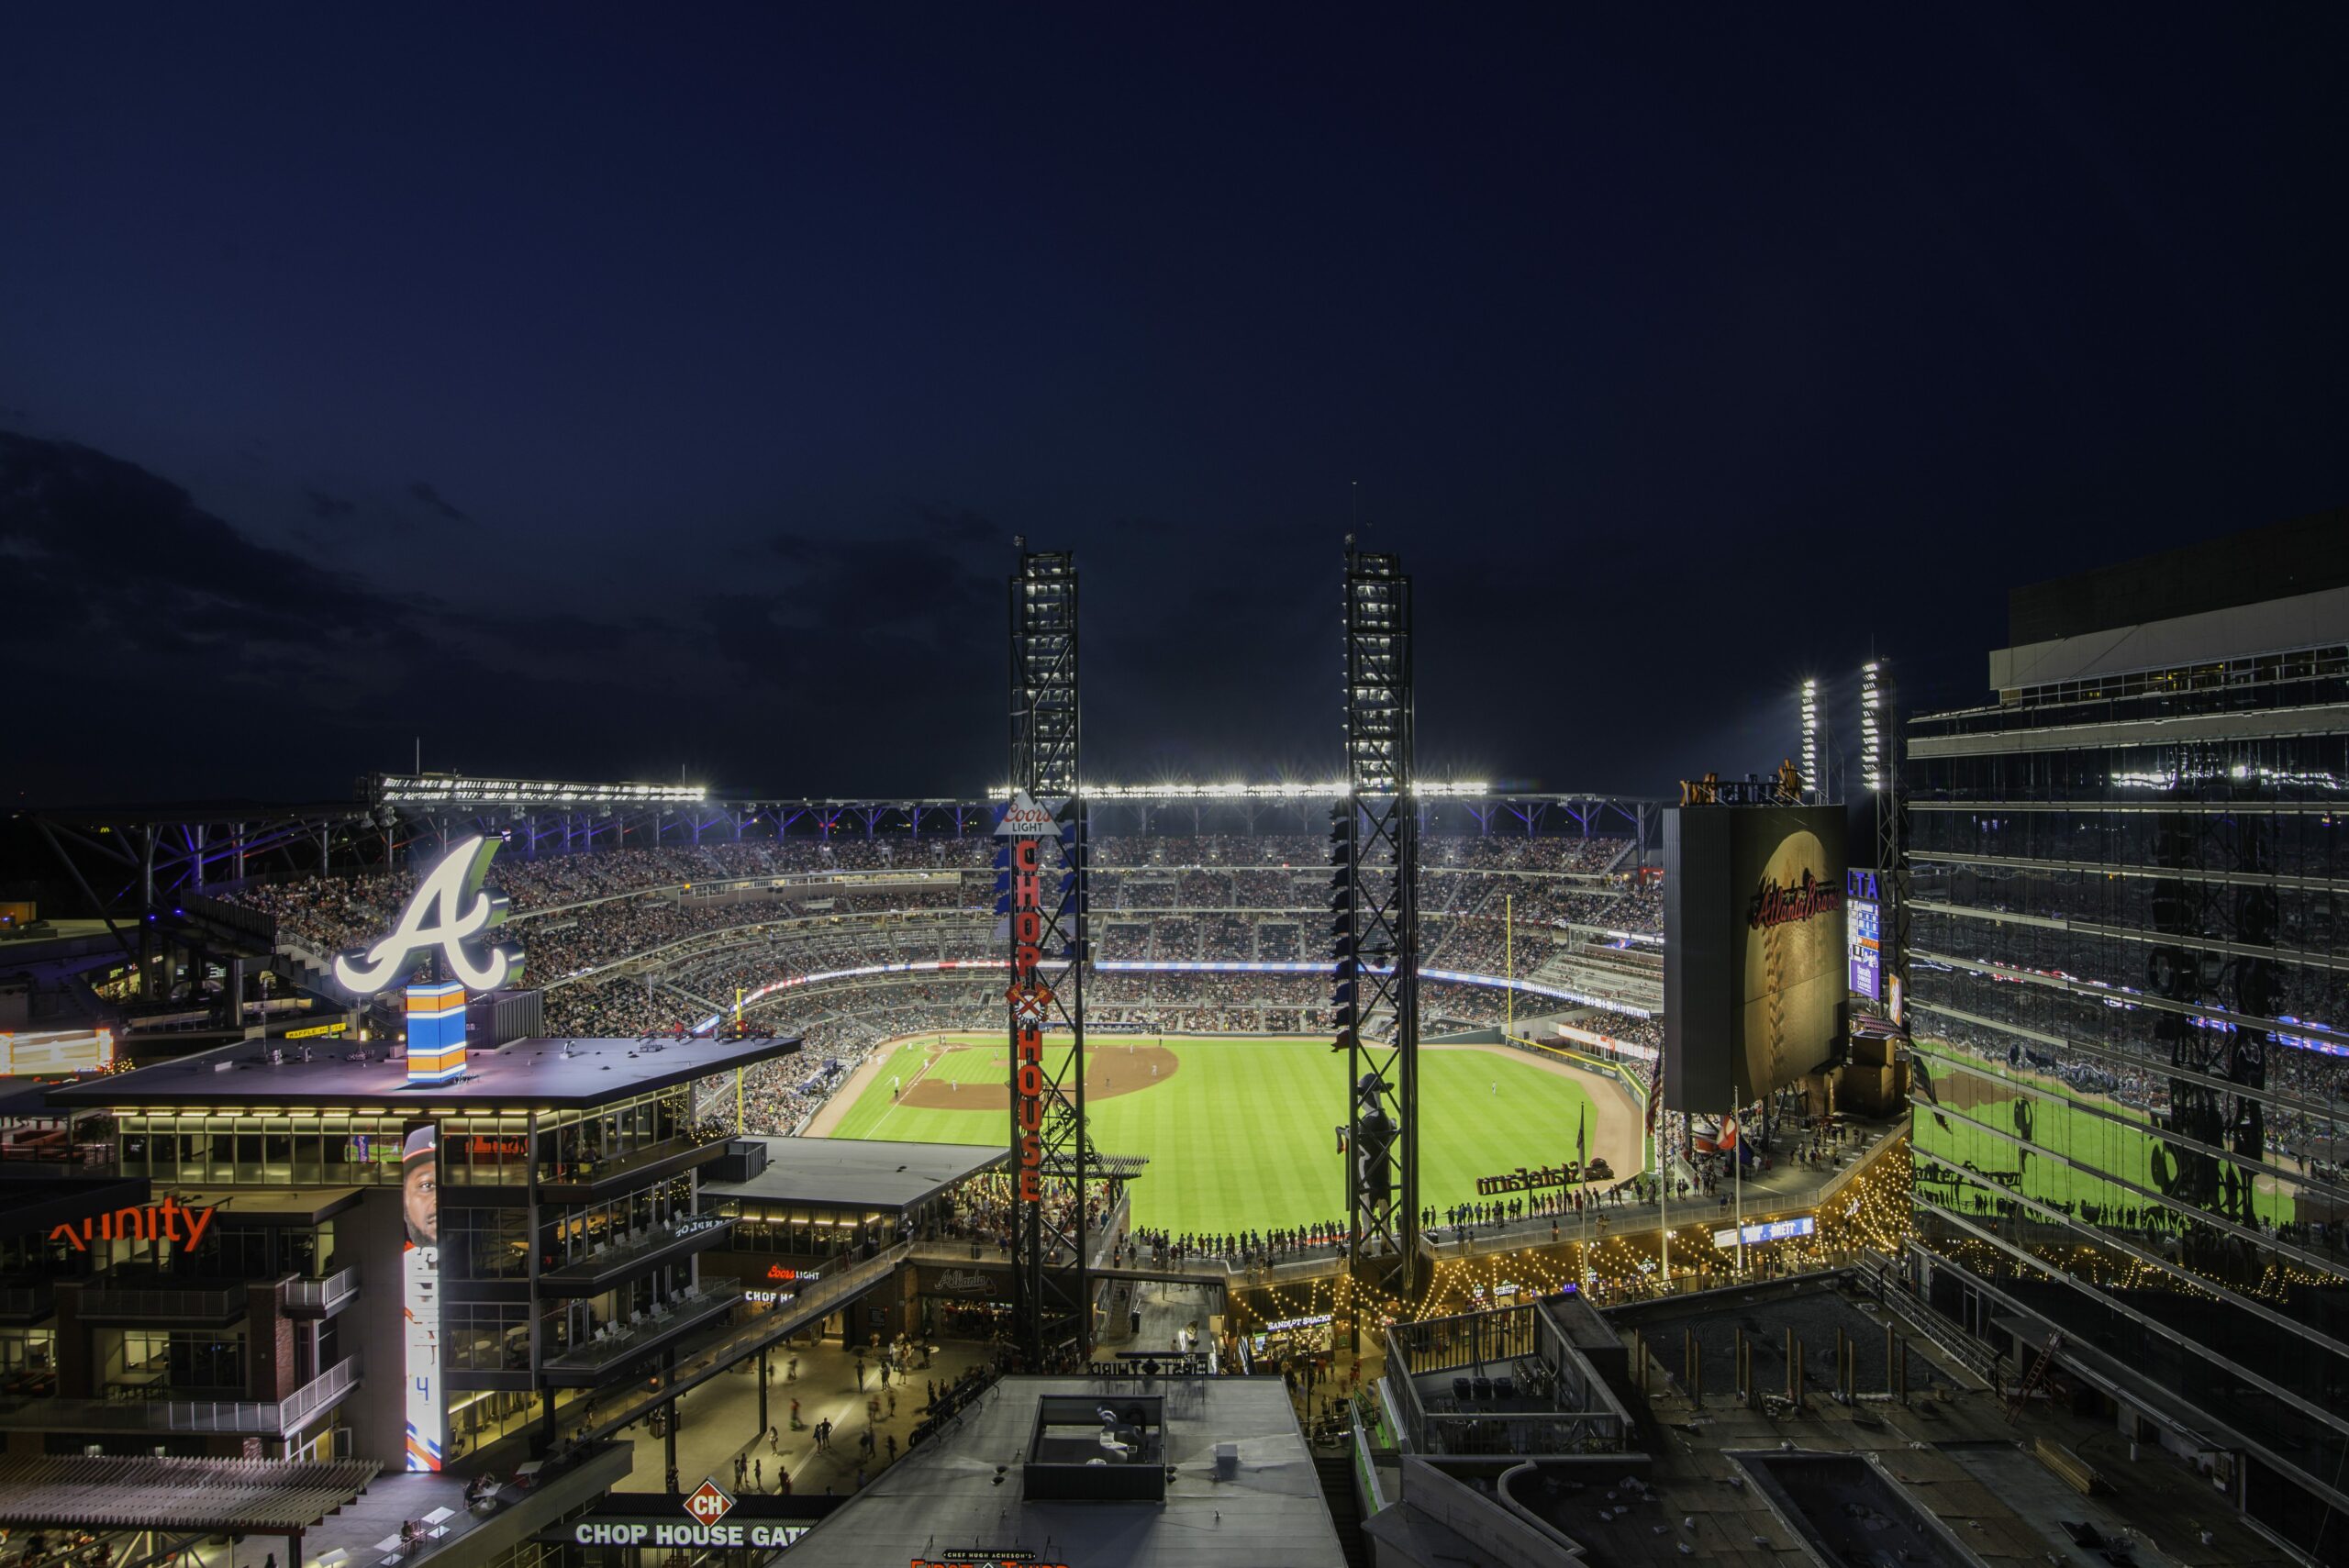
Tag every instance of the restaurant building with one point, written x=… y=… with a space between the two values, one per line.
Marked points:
x=291 y=1253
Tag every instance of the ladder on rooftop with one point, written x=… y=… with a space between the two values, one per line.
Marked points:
x=2033 y=1378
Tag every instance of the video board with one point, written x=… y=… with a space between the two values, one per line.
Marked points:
x=1756 y=949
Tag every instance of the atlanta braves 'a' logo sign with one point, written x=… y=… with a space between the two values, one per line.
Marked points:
x=462 y=913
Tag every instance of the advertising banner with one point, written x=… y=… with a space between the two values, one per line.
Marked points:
x=426 y=1398
x=1863 y=925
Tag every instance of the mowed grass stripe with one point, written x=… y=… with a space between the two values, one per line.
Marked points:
x=1242 y=1135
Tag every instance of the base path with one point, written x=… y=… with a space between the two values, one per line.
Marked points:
x=1617 y=1130
x=845 y=1097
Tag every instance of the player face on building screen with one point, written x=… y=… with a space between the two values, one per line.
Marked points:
x=420 y=1186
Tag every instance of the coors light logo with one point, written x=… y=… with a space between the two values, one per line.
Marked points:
x=1778 y=904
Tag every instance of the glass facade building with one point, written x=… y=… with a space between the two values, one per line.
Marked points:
x=2129 y=984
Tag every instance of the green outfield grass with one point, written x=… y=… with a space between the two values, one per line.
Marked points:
x=2129 y=1150
x=1243 y=1134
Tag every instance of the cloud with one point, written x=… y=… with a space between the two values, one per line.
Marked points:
x=179 y=657
x=327 y=508
x=437 y=502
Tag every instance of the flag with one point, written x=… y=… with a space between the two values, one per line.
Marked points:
x=1729 y=1134
x=1655 y=1089
x=1582 y=1156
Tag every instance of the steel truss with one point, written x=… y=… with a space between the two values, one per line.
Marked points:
x=1374 y=922
x=1051 y=1310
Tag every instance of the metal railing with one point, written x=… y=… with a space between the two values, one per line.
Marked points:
x=119 y=1304
x=245 y=1417
x=319 y=1393
x=610 y=1256
x=319 y=1294
x=26 y=1299
x=634 y=1338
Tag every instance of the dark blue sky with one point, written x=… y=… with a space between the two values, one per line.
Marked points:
x=602 y=395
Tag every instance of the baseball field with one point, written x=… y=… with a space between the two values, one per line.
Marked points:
x=1240 y=1132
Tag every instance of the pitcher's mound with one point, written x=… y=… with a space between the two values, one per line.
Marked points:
x=1110 y=1070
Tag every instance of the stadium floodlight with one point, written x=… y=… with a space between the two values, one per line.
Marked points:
x=458 y=790
x=1876 y=724
x=1814 y=780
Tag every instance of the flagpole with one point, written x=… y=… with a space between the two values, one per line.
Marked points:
x=1737 y=1188
x=1509 y=964
x=1664 y=1214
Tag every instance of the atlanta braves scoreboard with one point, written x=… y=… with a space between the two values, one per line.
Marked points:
x=1754 y=948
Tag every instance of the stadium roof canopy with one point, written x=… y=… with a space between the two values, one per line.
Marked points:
x=849 y=1173
x=521 y=1075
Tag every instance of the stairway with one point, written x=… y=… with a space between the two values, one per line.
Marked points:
x=1337 y=1473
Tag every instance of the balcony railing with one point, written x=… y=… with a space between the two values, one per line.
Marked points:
x=28 y=1300
x=160 y=1306
x=246 y=1417
x=614 y=1259
x=318 y=1295
x=623 y=1340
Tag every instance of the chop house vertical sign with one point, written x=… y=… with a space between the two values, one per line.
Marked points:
x=1028 y=823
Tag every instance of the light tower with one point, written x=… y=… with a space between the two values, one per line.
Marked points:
x=1880 y=771
x=1375 y=928
x=1814 y=776
x=1040 y=882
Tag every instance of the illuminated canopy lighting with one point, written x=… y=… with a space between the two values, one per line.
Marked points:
x=1335 y=790
x=454 y=789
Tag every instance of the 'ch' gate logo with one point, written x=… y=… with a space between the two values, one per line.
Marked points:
x=709 y=1503
x=462 y=912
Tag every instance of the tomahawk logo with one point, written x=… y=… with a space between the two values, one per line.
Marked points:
x=462 y=911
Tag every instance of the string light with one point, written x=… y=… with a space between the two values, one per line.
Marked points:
x=1871 y=1212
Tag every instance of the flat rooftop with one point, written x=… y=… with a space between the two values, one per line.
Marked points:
x=522 y=1074
x=853 y=1171
x=946 y=1495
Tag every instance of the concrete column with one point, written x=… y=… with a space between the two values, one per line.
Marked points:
x=677 y=1409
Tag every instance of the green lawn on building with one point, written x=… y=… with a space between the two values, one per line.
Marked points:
x=1243 y=1134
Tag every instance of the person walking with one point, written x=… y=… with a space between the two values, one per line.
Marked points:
x=893 y=1404
x=860 y=1375
x=794 y=1422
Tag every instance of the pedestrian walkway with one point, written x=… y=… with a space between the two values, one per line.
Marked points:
x=719 y=1419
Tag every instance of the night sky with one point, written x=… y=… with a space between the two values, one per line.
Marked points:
x=661 y=392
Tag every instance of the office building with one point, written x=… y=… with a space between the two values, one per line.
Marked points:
x=2129 y=999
